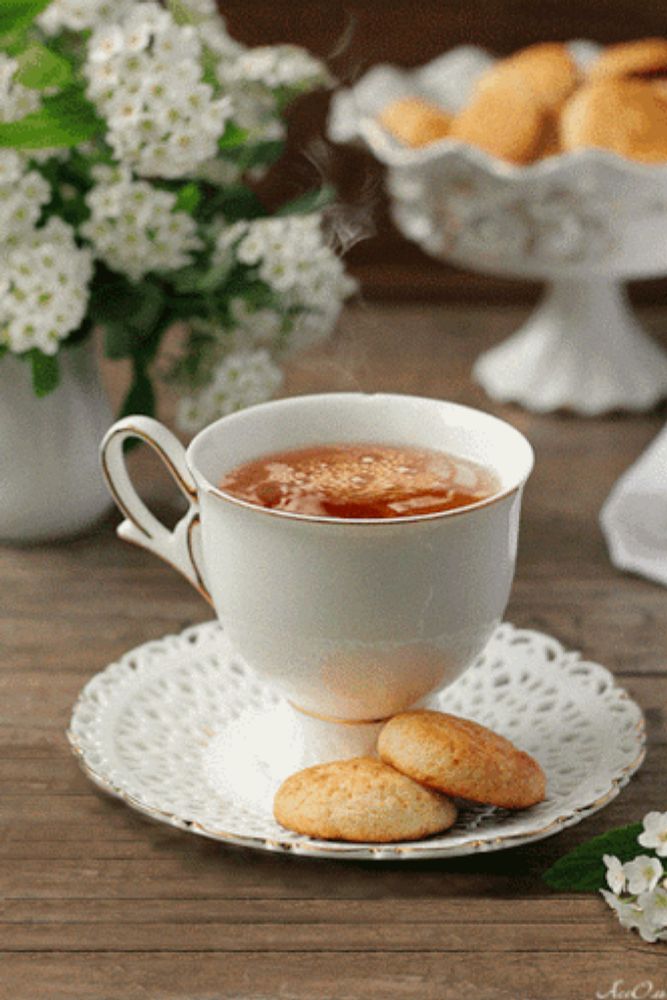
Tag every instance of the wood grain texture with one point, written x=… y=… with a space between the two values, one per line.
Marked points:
x=355 y=35
x=97 y=903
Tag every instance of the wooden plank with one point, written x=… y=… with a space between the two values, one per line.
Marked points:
x=522 y=975
x=293 y=936
x=556 y=908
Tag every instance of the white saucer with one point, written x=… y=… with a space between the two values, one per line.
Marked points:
x=170 y=729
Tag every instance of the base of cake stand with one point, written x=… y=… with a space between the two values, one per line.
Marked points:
x=582 y=350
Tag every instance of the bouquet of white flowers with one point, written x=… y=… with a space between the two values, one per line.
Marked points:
x=131 y=134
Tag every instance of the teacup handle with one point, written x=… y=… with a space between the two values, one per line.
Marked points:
x=180 y=547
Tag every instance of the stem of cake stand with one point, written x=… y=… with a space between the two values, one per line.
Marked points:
x=582 y=349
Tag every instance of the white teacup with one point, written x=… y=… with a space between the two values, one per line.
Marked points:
x=350 y=620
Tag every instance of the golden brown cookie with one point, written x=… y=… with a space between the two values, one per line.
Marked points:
x=545 y=74
x=360 y=799
x=461 y=758
x=550 y=144
x=505 y=124
x=645 y=59
x=628 y=117
x=414 y=121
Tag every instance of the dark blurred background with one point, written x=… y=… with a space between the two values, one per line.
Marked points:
x=352 y=37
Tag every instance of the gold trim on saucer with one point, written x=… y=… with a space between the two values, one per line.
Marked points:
x=453 y=844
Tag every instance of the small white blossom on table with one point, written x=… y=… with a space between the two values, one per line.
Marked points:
x=655 y=833
x=638 y=888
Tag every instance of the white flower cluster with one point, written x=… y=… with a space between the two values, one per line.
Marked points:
x=252 y=76
x=243 y=379
x=16 y=101
x=278 y=67
x=255 y=111
x=254 y=327
x=285 y=332
x=291 y=256
x=22 y=196
x=79 y=15
x=211 y=28
x=145 y=77
x=43 y=274
x=133 y=226
x=308 y=283
x=638 y=893
x=308 y=279
x=167 y=78
x=43 y=289
x=200 y=10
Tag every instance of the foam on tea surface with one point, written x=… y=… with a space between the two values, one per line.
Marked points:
x=360 y=481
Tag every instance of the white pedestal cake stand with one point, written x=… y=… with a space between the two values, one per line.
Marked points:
x=584 y=222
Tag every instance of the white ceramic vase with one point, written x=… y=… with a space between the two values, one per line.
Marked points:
x=51 y=484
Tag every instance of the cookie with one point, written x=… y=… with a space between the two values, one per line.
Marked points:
x=545 y=74
x=360 y=799
x=645 y=59
x=628 y=117
x=508 y=125
x=550 y=144
x=415 y=122
x=461 y=758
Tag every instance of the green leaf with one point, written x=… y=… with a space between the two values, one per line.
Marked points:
x=119 y=341
x=233 y=136
x=3 y=349
x=188 y=198
x=199 y=279
x=186 y=306
x=262 y=154
x=583 y=870
x=111 y=296
x=149 y=300
x=13 y=42
x=258 y=154
x=17 y=14
x=186 y=280
x=115 y=300
x=311 y=201
x=40 y=67
x=140 y=397
x=259 y=295
x=180 y=12
x=238 y=202
x=45 y=372
x=63 y=120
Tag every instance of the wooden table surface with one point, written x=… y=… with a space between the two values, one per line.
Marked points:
x=98 y=903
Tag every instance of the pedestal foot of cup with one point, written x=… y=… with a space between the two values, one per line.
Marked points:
x=256 y=753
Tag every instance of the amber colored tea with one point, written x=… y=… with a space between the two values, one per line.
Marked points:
x=360 y=481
